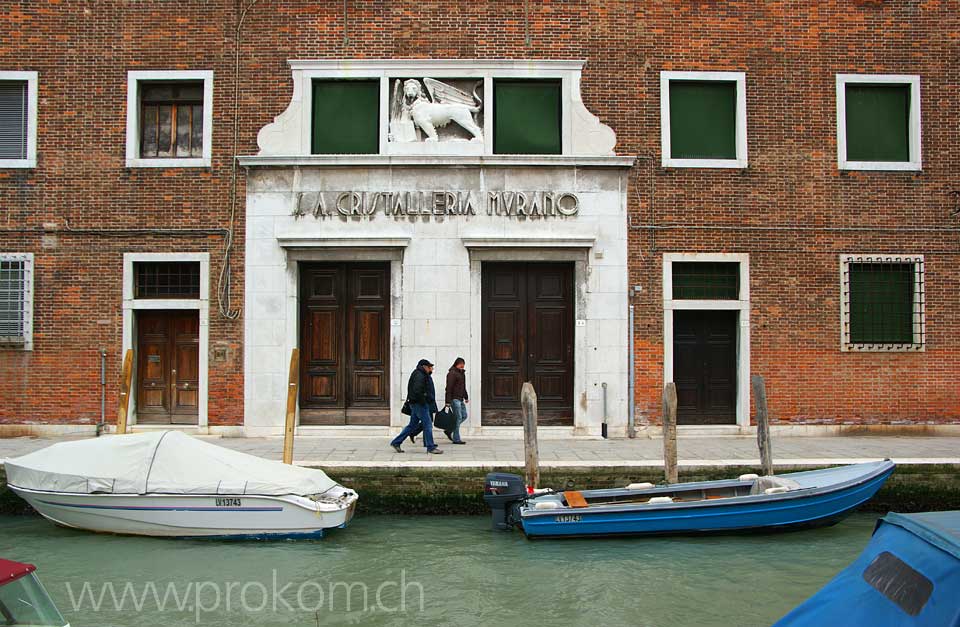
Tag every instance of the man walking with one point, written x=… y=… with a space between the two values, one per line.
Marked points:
x=422 y=397
x=456 y=397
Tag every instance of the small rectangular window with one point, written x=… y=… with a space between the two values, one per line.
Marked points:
x=527 y=117
x=14 y=119
x=883 y=303
x=878 y=122
x=346 y=117
x=167 y=279
x=704 y=280
x=171 y=120
x=16 y=300
x=703 y=119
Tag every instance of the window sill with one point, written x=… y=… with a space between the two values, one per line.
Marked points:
x=19 y=164
x=705 y=163
x=883 y=348
x=879 y=166
x=168 y=163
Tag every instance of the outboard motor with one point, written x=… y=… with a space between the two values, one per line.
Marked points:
x=503 y=492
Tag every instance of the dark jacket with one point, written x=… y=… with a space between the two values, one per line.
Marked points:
x=420 y=390
x=456 y=385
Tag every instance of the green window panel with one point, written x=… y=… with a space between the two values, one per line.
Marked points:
x=703 y=119
x=878 y=122
x=346 y=117
x=526 y=117
x=703 y=280
x=881 y=303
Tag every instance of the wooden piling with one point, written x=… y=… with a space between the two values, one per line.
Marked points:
x=763 y=424
x=290 y=424
x=670 y=432
x=123 y=401
x=528 y=405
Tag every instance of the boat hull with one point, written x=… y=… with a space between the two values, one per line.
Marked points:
x=798 y=510
x=191 y=516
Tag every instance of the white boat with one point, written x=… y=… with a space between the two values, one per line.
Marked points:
x=170 y=484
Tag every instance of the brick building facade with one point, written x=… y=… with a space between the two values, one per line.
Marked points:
x=787 y=235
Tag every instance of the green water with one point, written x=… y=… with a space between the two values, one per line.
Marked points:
x=469 y=575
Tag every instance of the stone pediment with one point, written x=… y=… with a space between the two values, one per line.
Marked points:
x=436 y=108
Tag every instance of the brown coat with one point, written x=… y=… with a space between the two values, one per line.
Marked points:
x=456 y=385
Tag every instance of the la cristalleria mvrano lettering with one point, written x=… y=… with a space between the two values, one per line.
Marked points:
x=359 y=204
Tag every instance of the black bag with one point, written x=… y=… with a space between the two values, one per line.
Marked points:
x=445 y=420
x=405 y=410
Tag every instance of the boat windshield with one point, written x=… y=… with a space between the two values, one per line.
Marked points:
x=24 y=602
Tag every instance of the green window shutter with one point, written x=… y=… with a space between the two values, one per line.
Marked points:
x=878 y=122
x=526 y=117
x=881 y=303
x=703 y=280
x=703 y=119
x=346 y=117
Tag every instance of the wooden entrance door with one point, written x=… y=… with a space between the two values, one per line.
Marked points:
x=527 y=336
x=705 y=366
x=345 y=343
x=168 y=367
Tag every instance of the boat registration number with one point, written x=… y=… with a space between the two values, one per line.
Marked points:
x=228 y=502
x=568 y=518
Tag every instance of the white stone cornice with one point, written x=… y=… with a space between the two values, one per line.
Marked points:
x=403 y=67
x=550 y=161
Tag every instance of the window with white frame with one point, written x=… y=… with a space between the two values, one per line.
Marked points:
x=878 y=122
x=169 y=118
x=18 y=119
x=16 y=300
x=703 y=119
x=882 y=302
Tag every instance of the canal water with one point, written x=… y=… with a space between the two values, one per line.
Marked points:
x=431 y=571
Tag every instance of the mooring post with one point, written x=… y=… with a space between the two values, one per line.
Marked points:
x=290 y=424
x=528 y=405
x=123 y=401
x=763 y=424
x=670 y=432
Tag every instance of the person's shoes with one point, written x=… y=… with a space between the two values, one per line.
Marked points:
x=435 y=451
x=397 y=448
x=449 y=434
x=459 y=442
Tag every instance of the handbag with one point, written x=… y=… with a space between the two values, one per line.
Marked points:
x=445 y=420
x=405 y=410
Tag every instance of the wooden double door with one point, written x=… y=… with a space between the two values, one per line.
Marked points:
x=345 y=343
x=168 y=367
x=705 y=366
x=527 y=335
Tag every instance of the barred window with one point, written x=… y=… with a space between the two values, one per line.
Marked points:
x=167 y=279
x=16 y=300
x=883 y=302
x=706 y=280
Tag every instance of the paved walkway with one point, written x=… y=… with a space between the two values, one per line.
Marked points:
x=693 y=451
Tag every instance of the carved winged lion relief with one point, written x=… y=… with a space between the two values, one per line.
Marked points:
x=424 y=107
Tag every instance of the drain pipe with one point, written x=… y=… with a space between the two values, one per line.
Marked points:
x=632 y=374
x=103 y=391
x=603 y=427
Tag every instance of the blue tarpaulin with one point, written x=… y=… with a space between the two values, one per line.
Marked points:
x=908 y=575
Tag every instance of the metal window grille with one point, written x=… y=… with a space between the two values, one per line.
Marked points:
x=13 y=119
x=883 y=302
x=167 y=279
x=16 y=299
x=706 y=280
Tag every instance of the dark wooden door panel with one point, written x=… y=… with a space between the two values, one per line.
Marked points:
x=345 y=332
x=705 y=366
x=527 y=335
x=168 y=367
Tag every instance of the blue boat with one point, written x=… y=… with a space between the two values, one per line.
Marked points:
x=908 y=575
x=771 y=503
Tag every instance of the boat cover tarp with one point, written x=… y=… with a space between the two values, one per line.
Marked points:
x=909 y=574
x=167 y=462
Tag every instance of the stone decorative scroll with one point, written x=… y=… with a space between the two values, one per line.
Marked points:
x=430 y=110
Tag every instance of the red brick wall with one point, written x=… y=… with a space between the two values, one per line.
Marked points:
x=790 y=51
